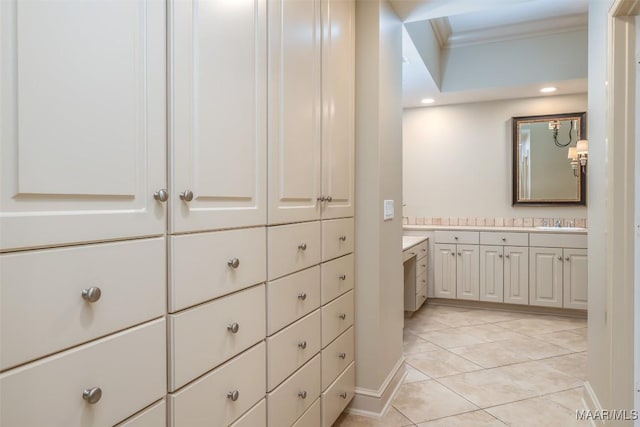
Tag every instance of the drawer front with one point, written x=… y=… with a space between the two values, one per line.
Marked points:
x=41 y=295
x=291 y=348
x=336 y=357
x=500 y=238
x=337 y=238
x=255 y=417
x=459 y=237
x=338 y=396
x=293 y=247
x=155 y=416
x=203 y=337
x=421 y=267
x=421 y=281
x=337 y=316
x=311 y=418
x=292 y=297
x=408 y=254
x=202 y=265
x=337 y=277
x=421 y=296
x=421 y=249
x=207 y=401
x=137 y=353
x=555 y=240
x=293 y=397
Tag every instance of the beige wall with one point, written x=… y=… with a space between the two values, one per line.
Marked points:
x=457 y=158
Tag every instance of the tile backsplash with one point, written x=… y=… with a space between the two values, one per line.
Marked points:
x=495 y=221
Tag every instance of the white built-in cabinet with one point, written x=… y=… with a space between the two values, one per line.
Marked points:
x=504 y=269
x=457 y=265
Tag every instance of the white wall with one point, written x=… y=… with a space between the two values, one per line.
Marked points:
x=457 y=158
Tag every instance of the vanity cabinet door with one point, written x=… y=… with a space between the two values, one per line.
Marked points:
x=545 y=277
x=445 y=270
x=468 y=272
x=491 y=273
x=516 y=275
x=575 y=278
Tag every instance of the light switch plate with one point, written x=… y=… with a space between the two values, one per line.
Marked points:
x=388 y=209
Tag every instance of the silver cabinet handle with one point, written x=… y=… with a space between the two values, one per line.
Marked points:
x=453 y=254
x=233 y=395
x=329 y=198
x=504 y=239
x=567 y=259
x=302 y=246
x=459 y=253
x=342 y=355
x=342 y=277
x=342 y=316
x=92 y=395
x=560 y=258
x=343 y=395
x=233 y=263
x=499 y=255
x=91 y=294
x=456 y=237
x=233 y=327
x=161 y=195
x=302 y=344
x=321 y=199
x=412 y=253
x=506 y=256
x=302 y=296
x=424 y=281
x=186 y=195
x=423 y=265
x=302 y=394
x=343 y=238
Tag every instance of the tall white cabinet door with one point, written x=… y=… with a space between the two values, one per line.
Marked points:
x=491 y=273
x=468 y=272
x=516 y=275
x=445 y=271
x=82 y=121
x=338 y=86
x=575 y=278
x=294 y=111
x=545 y=277
x=217 y=116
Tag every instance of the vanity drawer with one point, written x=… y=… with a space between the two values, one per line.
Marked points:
x=41 y=305
x=419 y=250
x=338 y=396
x=458 y=237
x=293 y=247
x=337 y=356
x=129 y=367
x=500 y=238
x=155 y=416
x=202 y=266
x=337 y=316
x=208 y=400
x=202 y=337
x=337 y=238
x=311 y=418
x=421 y=267
x=292 y=297
x=337 y=277
x=293 y=397
x=421 y=295
x=291 y=348
x=255 y=417
x=557 y=240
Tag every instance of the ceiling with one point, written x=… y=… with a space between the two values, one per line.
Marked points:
x=457 y=27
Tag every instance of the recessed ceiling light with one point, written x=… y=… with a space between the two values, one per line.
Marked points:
x=428 y=101
x=548 y=89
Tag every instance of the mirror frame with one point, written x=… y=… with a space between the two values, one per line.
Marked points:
x=582 y=183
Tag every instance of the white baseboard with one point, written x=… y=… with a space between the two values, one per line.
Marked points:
x=591 y=402
x=375 y=403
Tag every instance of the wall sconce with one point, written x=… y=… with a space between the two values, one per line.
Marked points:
x=582 y=150
x=573 y=160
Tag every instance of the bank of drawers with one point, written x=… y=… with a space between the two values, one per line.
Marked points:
x=337 y=238
x=291 y=297
x=337 y=277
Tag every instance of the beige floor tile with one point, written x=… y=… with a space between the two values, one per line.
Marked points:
x=392 y=418
x=469 y=419
x=491 y=387
x=490 y=332
x=429 y=400
x=441 y=363
x=452 y=337
x=574 y=341
x=415 y=344
x=542 y=325
x=418 y=326
x=462 y=318
x=582 y=331
x=414 y=375
x=571 y=364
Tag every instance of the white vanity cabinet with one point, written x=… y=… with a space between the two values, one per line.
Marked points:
x=504 y=269
x=457 y=264
x=416 y=262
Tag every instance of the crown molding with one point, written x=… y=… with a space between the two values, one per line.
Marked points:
x=442 y=30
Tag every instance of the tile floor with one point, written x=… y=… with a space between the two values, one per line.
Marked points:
x=471 y=368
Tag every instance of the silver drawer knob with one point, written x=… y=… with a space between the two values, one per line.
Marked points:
x=342 y=316
x=161 y=195
x=342 y=355
x=459 y=253
x=302 y=296
x=91 y=294
x=456 y=237
x=92 y=395
x=499 y=255
x=342 y=277
x=186 y=195
x=567 y=259
x=453 y=254
x=302 y=344
x=343 y=238
x=233 y=328
x=506 y=256
x=233 y=395
x=343 y=395
x=504 y=239
x=233 y=263
x=560 y=258
x=302 y=394
x=329 y=198
x=302 y=246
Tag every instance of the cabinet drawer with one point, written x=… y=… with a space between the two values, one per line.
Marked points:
x=155 y=416
x=255 y=417
x=207 y=401
x=337 y=277
x=555 y=240
x=337 y=316
x=291 y=348
x=337 y=238
x=41 y=306
x=293 y=397
x=460 y=237
x=500 y=238
x=337 y=356
x=202 y=337
x=57 y=383
x=421 y=268
x=421 y=296
x=293 y=247
x=202 y=266
x=292 y=297
x=338 y=396
x=311 y=418
x=420 y=249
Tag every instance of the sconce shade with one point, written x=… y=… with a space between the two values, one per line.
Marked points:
x=572 y=155
x=582 y=147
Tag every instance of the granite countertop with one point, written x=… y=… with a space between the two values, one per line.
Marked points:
x=570 y=230
x=409 y=241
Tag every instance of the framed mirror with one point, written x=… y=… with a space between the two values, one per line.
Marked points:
x=542 y=171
